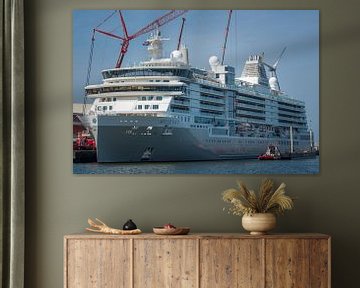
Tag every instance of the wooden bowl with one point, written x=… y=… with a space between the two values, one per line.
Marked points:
x=171 y=231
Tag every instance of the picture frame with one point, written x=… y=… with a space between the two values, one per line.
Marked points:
x=248 y=118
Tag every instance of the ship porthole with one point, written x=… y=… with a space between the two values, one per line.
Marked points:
x=94 y=120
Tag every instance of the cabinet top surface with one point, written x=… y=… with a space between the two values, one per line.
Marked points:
x=199 y=236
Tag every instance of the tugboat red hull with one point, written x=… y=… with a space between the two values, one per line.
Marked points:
x=268 y=157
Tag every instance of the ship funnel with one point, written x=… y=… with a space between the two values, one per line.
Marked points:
x=254 y=71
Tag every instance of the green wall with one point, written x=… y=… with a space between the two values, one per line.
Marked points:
x=58 y=203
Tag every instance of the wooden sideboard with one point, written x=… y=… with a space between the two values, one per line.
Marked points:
x=197 y=260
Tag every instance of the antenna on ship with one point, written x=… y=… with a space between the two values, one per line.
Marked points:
x=273 y=80
x=311 y=136
x=126 y=38
x=226 y=37
x=291 y=140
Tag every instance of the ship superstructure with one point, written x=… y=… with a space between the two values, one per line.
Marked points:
x=164 y=109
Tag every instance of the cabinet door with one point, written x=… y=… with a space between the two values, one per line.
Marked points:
x=320 y=263
x=231 y=263
x=166 y=263
x=98 y=263
x=287 y=263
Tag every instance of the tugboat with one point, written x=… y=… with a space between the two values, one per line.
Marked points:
x=272 y=153
x=84 y=148
x=84 y=141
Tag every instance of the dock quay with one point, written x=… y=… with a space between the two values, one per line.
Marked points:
x=84 y=156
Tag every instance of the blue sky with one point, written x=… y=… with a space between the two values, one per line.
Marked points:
x=251 y=32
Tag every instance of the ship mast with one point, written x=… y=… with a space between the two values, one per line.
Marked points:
x=291 y=140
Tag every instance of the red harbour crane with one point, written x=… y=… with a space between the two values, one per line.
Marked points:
x=126 y=38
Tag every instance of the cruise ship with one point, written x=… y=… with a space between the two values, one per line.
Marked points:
x=164 y=109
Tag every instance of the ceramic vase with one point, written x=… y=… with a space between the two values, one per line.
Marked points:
x=259 y=223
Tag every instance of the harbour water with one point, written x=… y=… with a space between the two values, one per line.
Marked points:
x=253 y=166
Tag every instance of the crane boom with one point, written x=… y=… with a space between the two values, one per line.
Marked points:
x=173 y=14
x=181 y=32
x=109 y=34
x=123 y=25
x=226 y=37
x=277 y=61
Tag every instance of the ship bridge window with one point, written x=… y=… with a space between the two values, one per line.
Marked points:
x=155 y=107
x=150 y=98
x=147 y=107
x=139 y=107
x=148 y=71
x=92 y=91
x=139 y=88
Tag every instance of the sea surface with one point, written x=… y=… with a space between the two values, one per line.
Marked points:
x=254 y=166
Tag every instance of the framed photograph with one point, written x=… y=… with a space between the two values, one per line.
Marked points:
x=195 y=92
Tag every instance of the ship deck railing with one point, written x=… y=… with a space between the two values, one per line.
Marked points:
x=212 y=99
x=256 y=107
x=292 y=118
x=298 y=109
x=292 y=113
x=212 y=107
x=179 y=111
x=250 y=113
x=180 y=102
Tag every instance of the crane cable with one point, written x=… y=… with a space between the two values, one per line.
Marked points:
x=106 y=19
x=237 y=61
x=88 y=75
x=87 y=82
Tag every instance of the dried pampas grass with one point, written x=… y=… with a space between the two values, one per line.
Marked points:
x=267 y=200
